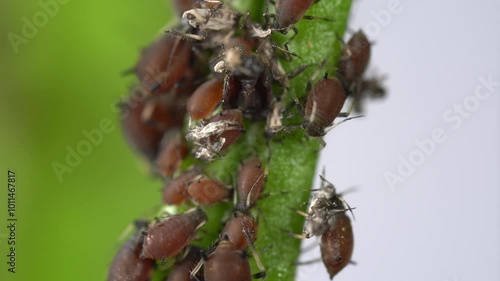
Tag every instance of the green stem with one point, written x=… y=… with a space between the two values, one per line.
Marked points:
x=294 y=157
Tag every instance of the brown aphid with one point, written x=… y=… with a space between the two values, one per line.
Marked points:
x=337 y=244
x=169 y=236
x=163 y=63
x=173 y=150
x=234 y=231
x=127 y=264
x=250 y=183
x=227 y=262
x=207 y=191
x=175 y=191
x=289 y=12
x=323 y=105
x=143 y=138
x=205 y=99
x=354 y=59
x=182 y=269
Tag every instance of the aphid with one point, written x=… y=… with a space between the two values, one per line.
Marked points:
x=182 y=268
x=219 y=132
x=337 y=244
x=234 y=230
x=163 y=63
x=326 y=217
x=289 y=12
x=207 y=191
x=175 y=192
x=228 y=263
x=250 y=183
x=323 y=105
x=247 y=83
x=127 y=265
x=143 y=138
x=354 y=60
x=169 y=236
x=173 y=150
x=205 y=99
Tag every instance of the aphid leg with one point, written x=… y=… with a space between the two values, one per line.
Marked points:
x=306 y=17
x=286 y=51
x=197 y=268
x=258 y=261
x=185 y=36
x=299 y=263
x=338 y=123
x=298 y=236
x=321 y=141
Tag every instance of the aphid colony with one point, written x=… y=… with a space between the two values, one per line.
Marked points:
x=200 y=83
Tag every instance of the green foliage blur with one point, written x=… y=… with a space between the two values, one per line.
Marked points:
x=64 y=80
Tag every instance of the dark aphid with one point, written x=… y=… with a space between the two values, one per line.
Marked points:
x=143 y=138
x=218 y=133
x=207 y=191
x=326 y=217
x=127 y=264
x=337 y=244
x=234 y=230
x=205 y=99
x=289 y=12
x=163 y=63
x=228 y=263
x=173 y=150
x=180 y=6
x=175 y=191
x=250 y=183
x=169 y=236
x=354 y=60
x=182 y=269
x=323 y=105
x=247 y=83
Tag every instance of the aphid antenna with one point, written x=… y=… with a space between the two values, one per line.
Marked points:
x=185 y=36
x=341 y=122
x=313 y=261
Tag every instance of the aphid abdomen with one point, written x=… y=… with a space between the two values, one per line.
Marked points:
x=127 y=266
x=227 y=263
x=324 y=104
x=288 y=12
x=168 y=237
x=337 y=244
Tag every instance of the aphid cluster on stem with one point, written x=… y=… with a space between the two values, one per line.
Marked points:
x=201 y=84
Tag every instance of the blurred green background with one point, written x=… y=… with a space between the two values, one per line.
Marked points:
x=64 y=80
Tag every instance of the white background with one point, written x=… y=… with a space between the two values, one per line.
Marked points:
x=442 y=222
